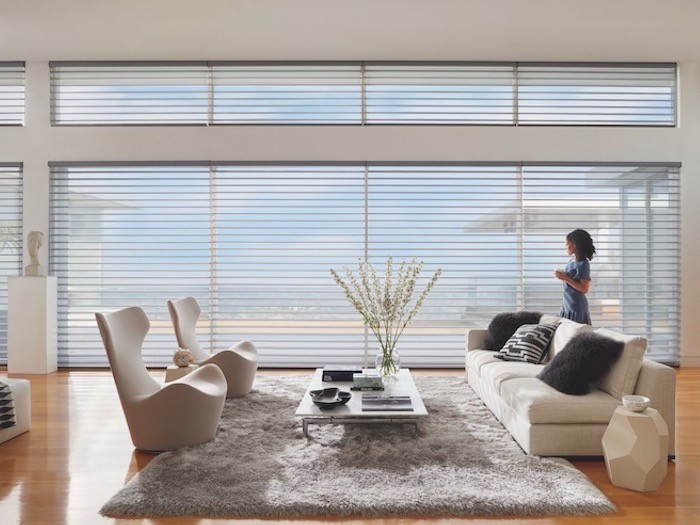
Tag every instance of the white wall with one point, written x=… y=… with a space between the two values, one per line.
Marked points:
x=637 y=30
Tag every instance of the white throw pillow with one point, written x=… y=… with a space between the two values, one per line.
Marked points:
x=622 y=378
x=565 y=331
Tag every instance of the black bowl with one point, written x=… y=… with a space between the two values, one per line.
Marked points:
x=329 y=398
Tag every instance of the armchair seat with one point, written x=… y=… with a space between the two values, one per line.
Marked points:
x=160 y=417
x=239 y=363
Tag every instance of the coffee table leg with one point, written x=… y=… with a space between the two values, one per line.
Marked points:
x=305 y=425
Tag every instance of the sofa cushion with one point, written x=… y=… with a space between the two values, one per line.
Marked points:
x=476 y=359
x=623 y=376
x=585 y=360
x=502 y=326
x=528 y=344
x=538 y=402
x=496 y=373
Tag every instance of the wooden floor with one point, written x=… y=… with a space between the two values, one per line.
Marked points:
x=78 y=454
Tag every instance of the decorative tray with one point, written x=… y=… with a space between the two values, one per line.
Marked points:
x=329 y=397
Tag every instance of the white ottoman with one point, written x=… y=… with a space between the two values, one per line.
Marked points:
x=22 y=401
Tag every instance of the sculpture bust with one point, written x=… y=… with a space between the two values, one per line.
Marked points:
x=34 y=241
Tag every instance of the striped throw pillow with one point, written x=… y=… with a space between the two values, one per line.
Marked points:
x=529 y=343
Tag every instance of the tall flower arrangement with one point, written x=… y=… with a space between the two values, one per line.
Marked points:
x=386 y=307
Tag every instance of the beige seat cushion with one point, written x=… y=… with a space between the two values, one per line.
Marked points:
x=538 y=402
x=622 y=378
x=497 y=373
x=476 y=359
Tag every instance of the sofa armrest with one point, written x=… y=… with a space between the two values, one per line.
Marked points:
x=658 y=382
x=475 y=338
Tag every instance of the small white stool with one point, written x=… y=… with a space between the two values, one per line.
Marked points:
x=635 y=446
x=22 y=401
x=174 y=372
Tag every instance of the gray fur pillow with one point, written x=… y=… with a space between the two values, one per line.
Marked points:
x=585 y=360
x=504 y=325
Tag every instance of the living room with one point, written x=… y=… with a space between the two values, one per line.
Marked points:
x=238 y=151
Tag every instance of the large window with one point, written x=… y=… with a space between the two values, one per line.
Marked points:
x=254 y=242
x=10 y=239
x=363 y=93
x=11 y=93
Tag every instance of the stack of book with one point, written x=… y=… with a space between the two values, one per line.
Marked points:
x=340 y=372
x=379 y=403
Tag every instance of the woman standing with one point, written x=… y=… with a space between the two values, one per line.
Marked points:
x=577 y=277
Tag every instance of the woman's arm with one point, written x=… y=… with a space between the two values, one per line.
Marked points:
x=582 y=286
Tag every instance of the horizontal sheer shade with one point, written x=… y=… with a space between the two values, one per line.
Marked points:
x=254 y=243
x=130 y=94
x=10 y=240
x=447 y=94
x=363 y=93
x=634 y=96
x=287 y=94
x=11 y=93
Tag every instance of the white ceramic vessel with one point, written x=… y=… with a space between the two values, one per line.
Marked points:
x=636 y=403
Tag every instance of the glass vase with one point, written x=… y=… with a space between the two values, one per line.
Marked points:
x=387 y=363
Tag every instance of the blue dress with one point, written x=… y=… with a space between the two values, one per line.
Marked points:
x=575 y=305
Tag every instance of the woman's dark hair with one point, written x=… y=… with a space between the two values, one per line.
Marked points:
x=583 y=244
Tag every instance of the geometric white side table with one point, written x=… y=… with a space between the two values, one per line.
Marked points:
x=174 y=372
x=31 y=325
x=635 y=446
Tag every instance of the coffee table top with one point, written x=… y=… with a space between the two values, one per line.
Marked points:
x=400 y=385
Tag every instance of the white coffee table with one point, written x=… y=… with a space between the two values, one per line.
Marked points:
x=351 y=413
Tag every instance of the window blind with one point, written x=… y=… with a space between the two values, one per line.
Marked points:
x=440 y=94
x=287 y=94
x=254 y=243
x=632 y=95
x=278 y=231
x=363 y=93
x=127 y=93
x=11 y=93
x=10 y=239
x=123 y=235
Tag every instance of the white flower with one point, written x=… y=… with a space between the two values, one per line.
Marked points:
x=385 y=307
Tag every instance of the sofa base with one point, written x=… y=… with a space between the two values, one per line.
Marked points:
x=22 y=401
x=563 y=439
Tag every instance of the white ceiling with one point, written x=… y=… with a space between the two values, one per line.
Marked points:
x=625 y=30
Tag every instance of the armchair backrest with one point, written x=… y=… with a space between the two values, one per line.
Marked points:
x=123 y=333
x=184 y=314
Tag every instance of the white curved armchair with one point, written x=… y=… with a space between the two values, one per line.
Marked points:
x=184 y=412
x=239 y=363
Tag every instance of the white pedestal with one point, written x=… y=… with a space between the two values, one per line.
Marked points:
x=174 y=372
x=31 y=325
x=635 y=446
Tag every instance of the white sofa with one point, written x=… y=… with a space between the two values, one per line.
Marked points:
x=546 y=422
x=21 y=399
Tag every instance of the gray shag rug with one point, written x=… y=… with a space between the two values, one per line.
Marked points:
x=463 y=463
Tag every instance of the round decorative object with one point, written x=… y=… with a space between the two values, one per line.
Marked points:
x=388 y=364
x=329 y=398
x=636 y=403
x=183 y=357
